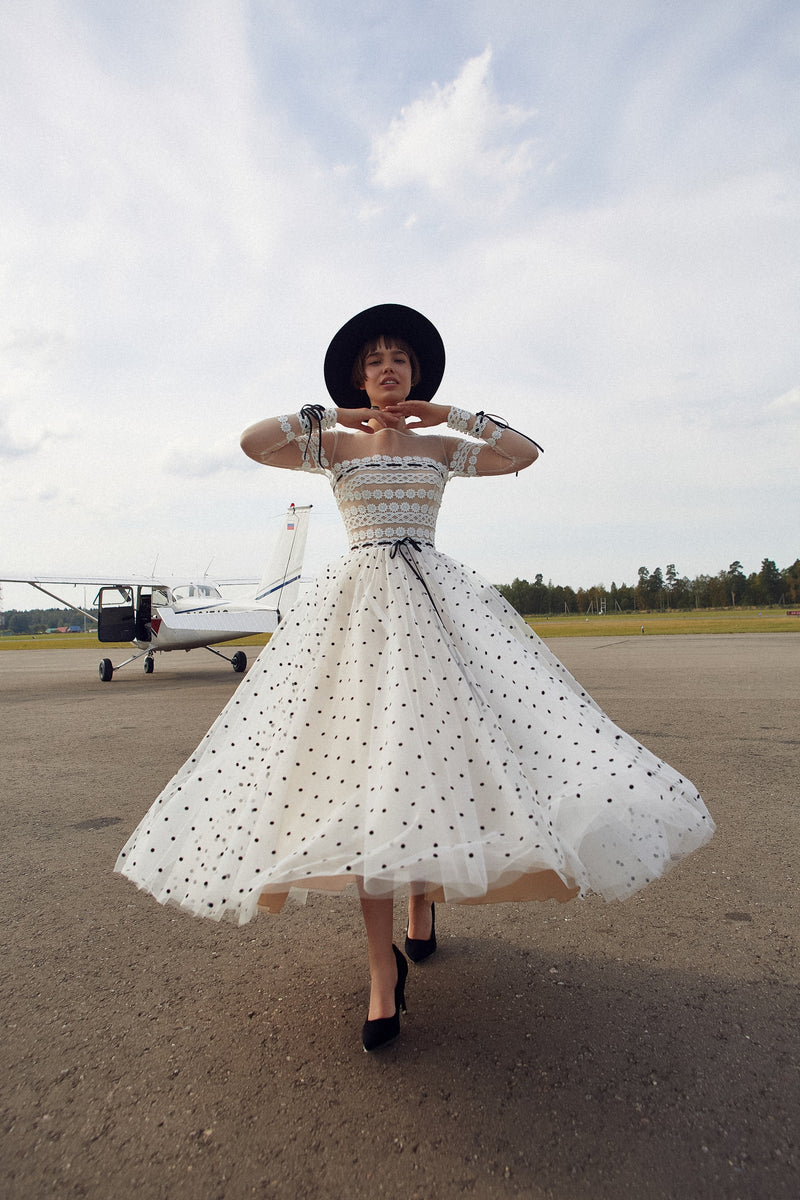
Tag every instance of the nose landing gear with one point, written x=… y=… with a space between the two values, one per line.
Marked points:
x=106 y=668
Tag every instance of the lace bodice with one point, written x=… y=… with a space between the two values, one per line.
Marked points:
x=389 y=484
x=383 y=498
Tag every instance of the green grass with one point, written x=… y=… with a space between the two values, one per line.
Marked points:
x=88 y=641
x=744 y=620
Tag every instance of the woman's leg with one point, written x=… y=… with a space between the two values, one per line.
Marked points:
x=420 y=917
x=378 y=922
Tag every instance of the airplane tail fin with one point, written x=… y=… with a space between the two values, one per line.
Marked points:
x=280 y=582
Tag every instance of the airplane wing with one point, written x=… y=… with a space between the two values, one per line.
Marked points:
x=88 y=580
x=251 y=581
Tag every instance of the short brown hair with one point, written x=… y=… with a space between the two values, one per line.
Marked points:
x=390 y=342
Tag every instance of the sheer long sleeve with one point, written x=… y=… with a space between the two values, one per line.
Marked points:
x=297 y=441
x=496 y=450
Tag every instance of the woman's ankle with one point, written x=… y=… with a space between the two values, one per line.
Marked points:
x=420 y=918
x=383 y=981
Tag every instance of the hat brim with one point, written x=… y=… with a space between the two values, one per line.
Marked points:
x=387 y=320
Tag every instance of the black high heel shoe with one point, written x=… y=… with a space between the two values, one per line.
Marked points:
x=383 y=1030
x=418 y=949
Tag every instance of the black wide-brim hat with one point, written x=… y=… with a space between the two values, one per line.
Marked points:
x=384 y=320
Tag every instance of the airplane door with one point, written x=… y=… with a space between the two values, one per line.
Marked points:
x=116 y=615
x=144 y=613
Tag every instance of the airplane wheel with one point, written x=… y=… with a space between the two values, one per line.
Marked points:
x=106 y=669
x=149 y=665
x=239 y=662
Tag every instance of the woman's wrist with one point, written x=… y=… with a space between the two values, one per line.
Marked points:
x=326 y=418
x=459 y=419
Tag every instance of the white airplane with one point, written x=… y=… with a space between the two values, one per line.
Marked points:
x=159 y=614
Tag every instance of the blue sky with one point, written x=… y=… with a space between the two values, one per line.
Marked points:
x=597 y=203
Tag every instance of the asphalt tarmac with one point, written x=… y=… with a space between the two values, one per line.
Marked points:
x=646 y=1049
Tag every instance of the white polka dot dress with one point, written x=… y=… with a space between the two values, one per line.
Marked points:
x=404 y=726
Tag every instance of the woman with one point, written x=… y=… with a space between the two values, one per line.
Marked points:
x=404 y=728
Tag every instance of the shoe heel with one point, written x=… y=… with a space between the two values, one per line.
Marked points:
x=402 y=975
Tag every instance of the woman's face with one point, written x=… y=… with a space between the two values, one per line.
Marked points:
x=387 y=375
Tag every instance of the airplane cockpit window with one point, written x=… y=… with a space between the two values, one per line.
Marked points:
x=160 y=595
x=194 y=591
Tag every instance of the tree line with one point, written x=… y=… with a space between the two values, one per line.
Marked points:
x=655 y=590
x=659 y=590
x=39 y=620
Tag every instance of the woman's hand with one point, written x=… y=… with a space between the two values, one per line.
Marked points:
x=359 y=418
x=426 y=414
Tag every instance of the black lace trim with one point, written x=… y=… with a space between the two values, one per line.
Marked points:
x=393 y=461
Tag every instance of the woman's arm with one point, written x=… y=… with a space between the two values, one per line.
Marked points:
x=302 y=439
x=284 y=441
x=498 y=450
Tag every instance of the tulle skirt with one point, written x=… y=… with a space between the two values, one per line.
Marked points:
x=404 y=728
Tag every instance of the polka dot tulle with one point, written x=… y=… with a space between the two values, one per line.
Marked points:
x=403 y=727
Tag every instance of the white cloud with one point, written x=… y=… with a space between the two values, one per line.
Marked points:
x=13 y=445
x=457 y=140
x=788 y=402
x=194 y=458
